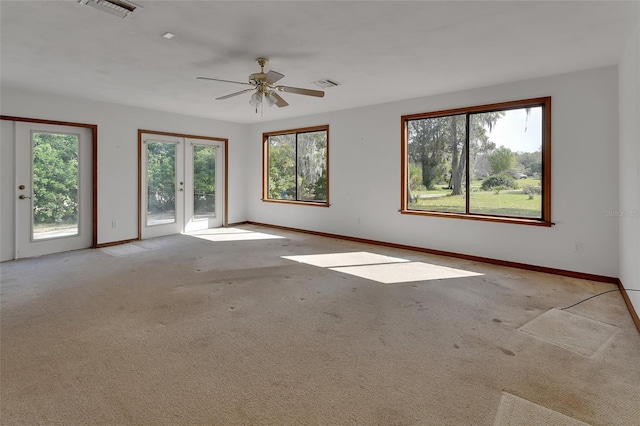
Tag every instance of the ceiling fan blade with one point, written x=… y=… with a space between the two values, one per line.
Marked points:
x=301 y=91
x=234 y=94
x=225 y=81
x=281 y=102
x=272 y=76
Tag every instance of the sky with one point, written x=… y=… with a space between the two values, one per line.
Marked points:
x=518 y=133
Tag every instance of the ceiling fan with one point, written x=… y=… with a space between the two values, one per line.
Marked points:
x=264 y=87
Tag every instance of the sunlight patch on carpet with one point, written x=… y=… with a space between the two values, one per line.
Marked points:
x=124 y=250
x=231 y=234
x=515 y=411
x=332 y=260
x=405 y=272
x=570 y=331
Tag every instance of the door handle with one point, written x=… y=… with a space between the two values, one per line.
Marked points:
x=22 y=197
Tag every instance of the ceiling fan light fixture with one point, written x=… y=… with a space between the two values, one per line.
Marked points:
x=271 y=100
x=256 y=99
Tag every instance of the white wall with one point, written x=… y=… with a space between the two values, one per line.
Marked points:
x=117 y=155
x=629 y=70
x=7 y=233
x=365 y=177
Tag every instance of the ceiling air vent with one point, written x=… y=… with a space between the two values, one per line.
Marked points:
x=119 y=8
x=325 y=83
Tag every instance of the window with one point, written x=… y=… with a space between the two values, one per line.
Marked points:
x=296 y=166
x=489 y=162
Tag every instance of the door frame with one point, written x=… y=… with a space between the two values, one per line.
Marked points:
x=225 y=144
x=94 y=164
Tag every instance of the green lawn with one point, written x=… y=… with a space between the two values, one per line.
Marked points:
x=506 y=203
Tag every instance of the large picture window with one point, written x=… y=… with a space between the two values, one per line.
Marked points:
x=296 y=166
x=489 y=162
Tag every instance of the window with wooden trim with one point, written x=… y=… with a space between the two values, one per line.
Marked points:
x=296 y=166
x=488 y=162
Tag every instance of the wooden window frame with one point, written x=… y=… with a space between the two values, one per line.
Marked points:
x=265 y=165
x=545 y=220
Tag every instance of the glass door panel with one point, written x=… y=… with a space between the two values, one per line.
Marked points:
x=204 y=184
x=204 y=181
x=55 y=183
x=162 y=189
x=161 y=183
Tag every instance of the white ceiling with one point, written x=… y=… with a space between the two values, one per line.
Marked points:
x=379 y=51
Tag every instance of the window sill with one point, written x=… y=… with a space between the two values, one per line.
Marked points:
x=499 y=219
x=300 y=203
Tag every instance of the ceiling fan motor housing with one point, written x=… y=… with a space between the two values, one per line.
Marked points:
x=256 y=78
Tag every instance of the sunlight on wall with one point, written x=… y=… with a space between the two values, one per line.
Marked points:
x=231 y=234
x=380 y=268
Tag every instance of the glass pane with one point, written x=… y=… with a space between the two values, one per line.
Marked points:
x=437 y=164
x=55 y=185
x=282 y=167
x=312 y=166
x=204 y=181
x=506 y=163
x=161 y=183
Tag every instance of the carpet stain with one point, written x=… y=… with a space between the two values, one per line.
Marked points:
x=333 y=314
x=455 y=346
x=496 y=320
x=420 y=307
x=506 y=351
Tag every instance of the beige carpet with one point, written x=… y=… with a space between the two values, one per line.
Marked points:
x=220 y=329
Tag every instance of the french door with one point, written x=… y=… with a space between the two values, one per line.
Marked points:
x=181 y=184
x=53 y=204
